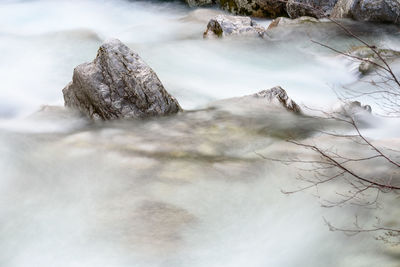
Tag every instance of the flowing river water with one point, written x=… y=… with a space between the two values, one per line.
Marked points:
x=186 y=190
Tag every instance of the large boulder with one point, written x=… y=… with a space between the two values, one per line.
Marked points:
x=312 y=8
x=118 y=84
x=368 y=10
x=377 y=10
x=224 y=25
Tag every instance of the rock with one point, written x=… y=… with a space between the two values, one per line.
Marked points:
x=363 y=10
x=260 y=104
x=282 y=21
x=255 y=8
x=193 y=3
x=343 y=8
x=366 y=53
x=118 y=84
x=279 y=96
x=368 y=10
x=224 y=25
x=365 y=67
x=352 y=108
x=377 y=10
x=361 y=114
x=311 y=8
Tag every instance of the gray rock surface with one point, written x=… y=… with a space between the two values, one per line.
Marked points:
x=255 y=8
x=377 y=10
x=118 y=84
x=311 y=8
x=343 y=9
x=362 y=10
x=225 y=25
x=368 y=10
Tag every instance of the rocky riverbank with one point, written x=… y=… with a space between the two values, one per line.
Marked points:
x=362 y=10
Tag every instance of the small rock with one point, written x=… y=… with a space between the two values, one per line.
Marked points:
x=118 y=84
x=224 y=25
x=365 y=67
x=351 y=108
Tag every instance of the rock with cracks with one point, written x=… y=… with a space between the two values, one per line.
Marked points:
x=118 y=84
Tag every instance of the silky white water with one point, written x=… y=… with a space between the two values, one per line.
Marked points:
x=182 y=191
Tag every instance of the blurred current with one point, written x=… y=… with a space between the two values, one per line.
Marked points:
x=188 y=190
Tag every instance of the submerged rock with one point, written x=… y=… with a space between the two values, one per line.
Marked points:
x=118 y=84
x=279 y=96
x=265 y=101
x=356 y=105
x=368 y=10
x=355 y=110
x=282 y=21
x=371 y=57
x=224 y=25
